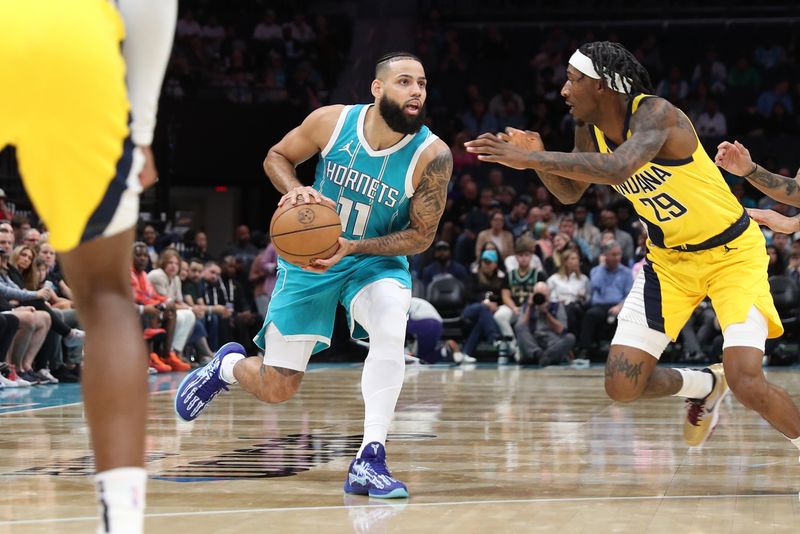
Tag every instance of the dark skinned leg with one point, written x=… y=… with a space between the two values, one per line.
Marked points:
x=114 y=389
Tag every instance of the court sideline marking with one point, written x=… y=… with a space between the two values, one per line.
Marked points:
x=402 y=506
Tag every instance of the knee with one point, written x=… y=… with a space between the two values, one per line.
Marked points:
x=749 y=388
x=621 y=392
x=44 y=320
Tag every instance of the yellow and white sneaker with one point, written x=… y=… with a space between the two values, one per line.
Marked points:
x=702 y=415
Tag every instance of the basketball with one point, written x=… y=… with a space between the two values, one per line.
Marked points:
x=303 y=232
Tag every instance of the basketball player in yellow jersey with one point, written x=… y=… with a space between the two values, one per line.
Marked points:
x=63 y=105
x=701 y=242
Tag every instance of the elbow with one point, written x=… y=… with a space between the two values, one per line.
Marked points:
x=568 y=198
x=272 y=155
x=620 y=174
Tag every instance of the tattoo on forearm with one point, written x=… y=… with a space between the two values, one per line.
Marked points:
x=650 y=126
x=425 y=210
x=773 y=184
x=618 y=364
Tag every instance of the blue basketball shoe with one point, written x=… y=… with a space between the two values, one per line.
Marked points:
x=368 y=475
x=199 y=387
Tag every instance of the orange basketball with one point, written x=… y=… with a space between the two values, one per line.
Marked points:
x=303 y=232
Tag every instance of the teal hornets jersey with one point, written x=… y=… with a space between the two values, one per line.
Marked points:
x=371 y=188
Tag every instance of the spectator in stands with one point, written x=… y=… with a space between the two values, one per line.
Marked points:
x=587 y=231
x=156 y=309
x=777 y=264
x=167 y=283
x=712 y=72
x=779 y=121
x=566 y=226
x=242 y=248
x=561 y=244
x=478 y=119
x=541 y=331
x=608 y=222
x=675 y=79
x=32 y=238
x=610 y=284
x=149 y=238
x=518 y=287
x=483 y=290
x=473 y=223
x=516 y=220
x=498 y=105
x=5 y=211
x=779 y=93
x=300 y=30
x=712 y=122
x=699 y=332
x=20 y=267
x=497 y=234
x=246 y=322
x=744 y=76
x=268 y=30
x=263 y=275
x=48 y=254
x=782 y=242
x=503 y=192
x=443 y=265
x=218 y=320
x=20 y=224
x=572 y=288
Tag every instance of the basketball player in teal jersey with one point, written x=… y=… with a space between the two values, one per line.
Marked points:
x=387 y=175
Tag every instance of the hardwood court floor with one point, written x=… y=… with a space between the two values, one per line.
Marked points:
x=482 y=450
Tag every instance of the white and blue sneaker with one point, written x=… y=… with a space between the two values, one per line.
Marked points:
x=368 y=475
x=200 y=386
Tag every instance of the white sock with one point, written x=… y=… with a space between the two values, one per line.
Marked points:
x=226 y=367
x=121 y=495
x=697 y=384
x=381 y=382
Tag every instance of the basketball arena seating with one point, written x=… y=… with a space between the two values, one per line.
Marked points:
x=446 y=293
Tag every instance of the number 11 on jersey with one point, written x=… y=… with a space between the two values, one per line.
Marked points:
x=346 y=207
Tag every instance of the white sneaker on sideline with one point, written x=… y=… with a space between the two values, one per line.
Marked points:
x=5 y=382
x=460 y=357
x=46 y=376
x=75 y=338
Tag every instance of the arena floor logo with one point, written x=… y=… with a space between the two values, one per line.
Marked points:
x=81 y=466
x=275 y=457
x=267 y=458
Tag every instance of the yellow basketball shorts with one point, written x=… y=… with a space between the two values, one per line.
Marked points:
x=63 y=105
x=734 y=276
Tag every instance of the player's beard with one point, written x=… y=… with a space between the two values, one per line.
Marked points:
x=397 y=119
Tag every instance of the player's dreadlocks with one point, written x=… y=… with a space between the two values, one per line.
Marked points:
x=612 y=58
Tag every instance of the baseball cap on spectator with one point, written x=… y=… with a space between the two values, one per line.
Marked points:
x=2 y=194
x=490 y=255
x=441 y=244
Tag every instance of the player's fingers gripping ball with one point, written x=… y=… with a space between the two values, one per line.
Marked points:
x=303 y=232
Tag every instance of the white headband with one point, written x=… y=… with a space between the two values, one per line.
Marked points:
x=584 y=64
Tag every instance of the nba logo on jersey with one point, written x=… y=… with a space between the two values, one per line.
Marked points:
x=370 y=187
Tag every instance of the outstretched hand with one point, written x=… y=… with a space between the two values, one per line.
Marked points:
x=510 y=148
x=774 y=220
x=734 y=158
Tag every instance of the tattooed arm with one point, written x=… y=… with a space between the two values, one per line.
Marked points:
x=425 y=210
x=650 y=127
x=735 y=158
x=565 y=190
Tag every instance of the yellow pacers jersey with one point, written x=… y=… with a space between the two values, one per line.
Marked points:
x=63 y=105
x=682 y=202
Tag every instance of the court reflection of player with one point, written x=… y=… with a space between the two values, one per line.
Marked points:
x=388 y=175
x=701 y=242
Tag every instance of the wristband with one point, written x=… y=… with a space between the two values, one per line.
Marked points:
x=755 y=168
